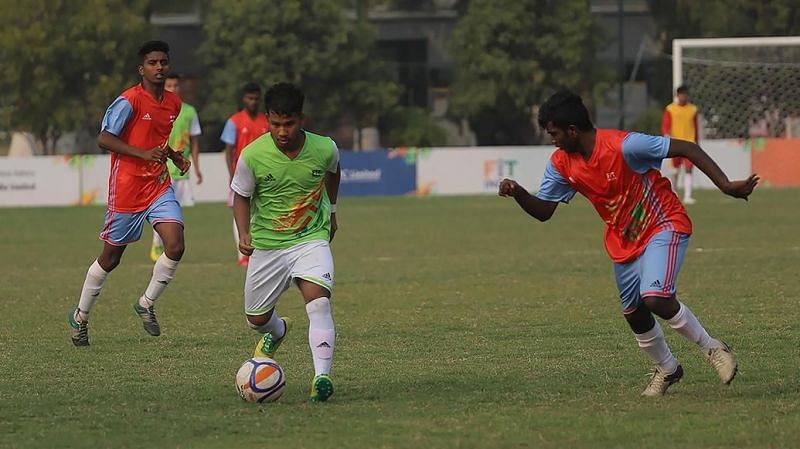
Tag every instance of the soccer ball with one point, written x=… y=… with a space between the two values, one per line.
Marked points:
x=260 y=380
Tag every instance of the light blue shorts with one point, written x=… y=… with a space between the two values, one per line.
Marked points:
x=124 y=228
x=654 y=272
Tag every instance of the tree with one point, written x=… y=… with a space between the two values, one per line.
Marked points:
x=64 y=61
x=307 y=42
x=510 y=54
x=717 y=18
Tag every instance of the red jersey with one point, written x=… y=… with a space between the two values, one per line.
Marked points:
x=247 y=130
x=139 y=120
x=623 y=182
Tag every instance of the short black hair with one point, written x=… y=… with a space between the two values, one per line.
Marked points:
x=151 y=46
x=174 y=76
x=284 y=99
x=682 y=89
x=565 y=108
x=251 y=88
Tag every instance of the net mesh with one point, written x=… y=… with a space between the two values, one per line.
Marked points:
x=745 y=91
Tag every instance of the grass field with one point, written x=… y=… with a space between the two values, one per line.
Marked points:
x=461 y=323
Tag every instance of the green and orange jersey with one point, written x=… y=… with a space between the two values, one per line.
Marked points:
x=289 y=203
x=186 y=126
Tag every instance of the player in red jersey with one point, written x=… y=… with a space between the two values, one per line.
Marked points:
x=647 y=228
x=135 y=129
x=242 y=128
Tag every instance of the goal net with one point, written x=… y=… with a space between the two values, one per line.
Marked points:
x=743 y=87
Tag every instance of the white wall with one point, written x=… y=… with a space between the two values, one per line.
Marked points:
x=448 y=171
x=60 y=180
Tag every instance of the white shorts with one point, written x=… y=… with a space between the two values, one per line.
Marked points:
x=183 y=192
x=271 y=272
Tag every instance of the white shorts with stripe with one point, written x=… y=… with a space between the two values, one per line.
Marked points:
x=271 y=272
x=183 y=192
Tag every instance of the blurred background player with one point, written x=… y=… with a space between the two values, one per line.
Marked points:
x=679 y=121
x=136 y=129
x=647 y=228
x=242 y=128
x=184 y=139
x=288 y=181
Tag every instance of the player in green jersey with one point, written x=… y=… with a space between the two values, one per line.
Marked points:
x=285 y=184
x=183 y=138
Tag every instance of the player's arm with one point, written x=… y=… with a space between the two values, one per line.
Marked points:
x=228 y=137
x=194 y=140
x=243 y=186
x=332 y=180
x=701 y=159
x=666 y=123
x=114 y=121
x=537 y=208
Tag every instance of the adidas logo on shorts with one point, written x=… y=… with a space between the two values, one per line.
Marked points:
x=327 y=277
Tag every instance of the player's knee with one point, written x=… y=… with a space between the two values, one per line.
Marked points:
x=174 y=250
x=256 y=322
x=109 y=261
x=664 y=307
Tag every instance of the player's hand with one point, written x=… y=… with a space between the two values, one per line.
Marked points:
x=157 y=154
x=183 y=164
x=245 y=244
x=334 y=226
x=742 y=189
x=507 y=187
x=199 y=176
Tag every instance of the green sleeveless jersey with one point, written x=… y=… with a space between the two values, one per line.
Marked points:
x=180 y=139
x=289 y=204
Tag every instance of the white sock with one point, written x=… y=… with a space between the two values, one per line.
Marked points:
x=163 y=272
x=686 y=324
x=157 y=239
x=687 y=185
x=274 y=326
x=653 y=344
x=321 y=334
x=95 y=278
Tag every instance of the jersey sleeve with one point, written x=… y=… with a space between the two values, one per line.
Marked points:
x=229 y=133
x=244 y=181
x=643 y=152
x=194 y=127
x=117 y=116
x=335 y=159
x=554 y=187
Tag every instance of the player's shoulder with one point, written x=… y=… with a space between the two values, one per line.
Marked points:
x=321 y=143
x=132 y=94
x=189 y=108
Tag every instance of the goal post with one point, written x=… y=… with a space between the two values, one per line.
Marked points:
x=744 y=87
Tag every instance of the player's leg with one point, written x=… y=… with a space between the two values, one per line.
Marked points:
x=646 y=330
x=662 y=262
x=267 y=278
x=313 y=272
x=688 y=182
x=165 y=216
x=119 y=229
